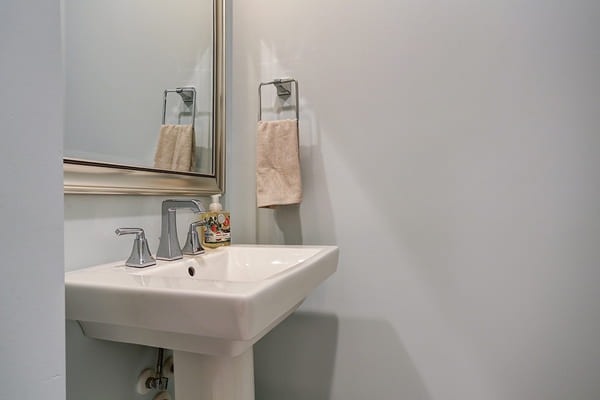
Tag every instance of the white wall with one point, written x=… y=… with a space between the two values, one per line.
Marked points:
x=32 y=285
x=451 y=150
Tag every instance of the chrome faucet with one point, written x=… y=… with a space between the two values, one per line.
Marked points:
x=169 y=248
x=193 y=244
x=140 y=254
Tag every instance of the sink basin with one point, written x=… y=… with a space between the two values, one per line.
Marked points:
x=236 y=264
x=218 y=303
x=209 y=309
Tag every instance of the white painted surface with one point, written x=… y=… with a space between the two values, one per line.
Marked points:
x=451 y=150
x=31 y=288
x=204 y=377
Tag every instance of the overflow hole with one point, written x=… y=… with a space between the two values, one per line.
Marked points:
x=191 y=271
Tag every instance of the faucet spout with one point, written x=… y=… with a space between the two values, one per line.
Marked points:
x=169 y=248
x=191 y=204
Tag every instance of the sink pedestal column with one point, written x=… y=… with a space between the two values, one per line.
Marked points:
x=206 y=377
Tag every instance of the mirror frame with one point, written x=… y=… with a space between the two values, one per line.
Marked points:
x=95 y=177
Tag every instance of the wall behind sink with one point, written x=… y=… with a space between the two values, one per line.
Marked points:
x=451 y=150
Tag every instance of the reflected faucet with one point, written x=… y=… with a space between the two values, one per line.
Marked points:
x=168 y=248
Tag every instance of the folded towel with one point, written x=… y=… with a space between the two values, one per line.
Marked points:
x=277 y=164
x=176 y=148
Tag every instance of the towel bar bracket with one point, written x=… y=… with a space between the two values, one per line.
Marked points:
x=284 y=89
x=187 y=96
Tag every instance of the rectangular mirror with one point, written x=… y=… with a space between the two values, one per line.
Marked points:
x=136 y=72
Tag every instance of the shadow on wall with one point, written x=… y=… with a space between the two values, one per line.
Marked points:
x=288 y=222
x=99 y=369
x=296 y=361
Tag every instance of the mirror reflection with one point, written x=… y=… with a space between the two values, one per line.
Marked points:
x=120 y=58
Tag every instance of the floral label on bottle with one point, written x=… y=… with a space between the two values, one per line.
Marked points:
x=217 y=229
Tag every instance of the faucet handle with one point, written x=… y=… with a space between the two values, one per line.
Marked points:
x=140 y=253
x=193 y=244
x=130 y=231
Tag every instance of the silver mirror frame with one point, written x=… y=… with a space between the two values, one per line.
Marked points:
x=91 y=177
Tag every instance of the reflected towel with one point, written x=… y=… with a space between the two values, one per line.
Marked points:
x=278 y=179
x=176 y=148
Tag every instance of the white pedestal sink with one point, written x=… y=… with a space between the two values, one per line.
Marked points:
x=210 y=309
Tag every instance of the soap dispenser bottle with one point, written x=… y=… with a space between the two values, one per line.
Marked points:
x=217 y=230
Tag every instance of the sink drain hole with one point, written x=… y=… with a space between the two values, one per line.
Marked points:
x=191 y=271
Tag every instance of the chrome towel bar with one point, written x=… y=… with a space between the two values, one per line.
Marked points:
x=188 y=95
x=284 y=90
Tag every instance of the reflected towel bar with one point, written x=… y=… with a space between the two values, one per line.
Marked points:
x=284 y=90
x=188 y=95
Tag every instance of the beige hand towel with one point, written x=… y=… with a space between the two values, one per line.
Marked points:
x=277 y=164
x=176 y=148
